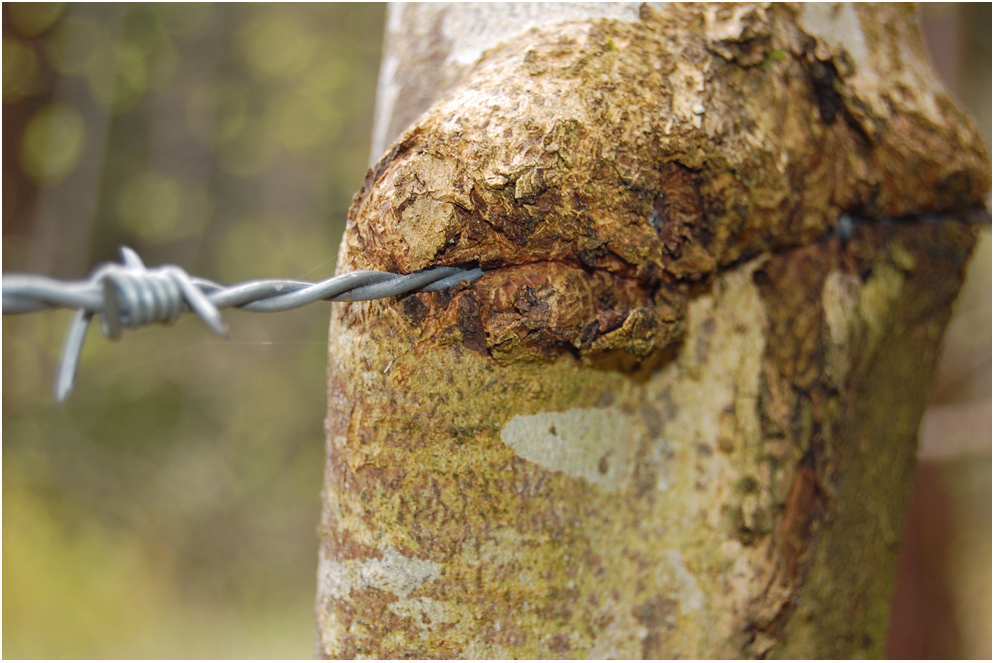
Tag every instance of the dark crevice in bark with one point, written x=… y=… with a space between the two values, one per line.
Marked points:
x=533 y=303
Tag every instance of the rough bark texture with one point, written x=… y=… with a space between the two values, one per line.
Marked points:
x=677 y=416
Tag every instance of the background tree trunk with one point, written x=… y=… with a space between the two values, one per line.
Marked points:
x=677 y=416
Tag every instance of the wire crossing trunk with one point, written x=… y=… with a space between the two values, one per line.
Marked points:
x=677 y=415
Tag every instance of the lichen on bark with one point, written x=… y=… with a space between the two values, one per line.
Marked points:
x=677 y=415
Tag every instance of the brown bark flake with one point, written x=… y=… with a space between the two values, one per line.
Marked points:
x=585 y=160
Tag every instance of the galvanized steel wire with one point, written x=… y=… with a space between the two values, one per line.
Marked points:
x=130 y=295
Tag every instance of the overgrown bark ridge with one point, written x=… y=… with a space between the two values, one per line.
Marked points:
x=646 y=156
x=677 y=416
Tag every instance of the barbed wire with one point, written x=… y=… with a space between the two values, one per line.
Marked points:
x=130 y=295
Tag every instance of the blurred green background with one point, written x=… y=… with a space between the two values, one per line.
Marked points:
x=169 y=508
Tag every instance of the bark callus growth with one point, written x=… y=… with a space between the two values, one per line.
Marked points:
x=736 y=494
x=601 y=171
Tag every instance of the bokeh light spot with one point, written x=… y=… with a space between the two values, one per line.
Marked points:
x=33 y=18
x=162 y=63
x=258 y=242
x=20 y=67
x=150 y=205
x=187 y=19
x=52 y=144
x=250 y=154
x=132 y=77
x=217 y=113
x=75 y=43
x=327 y=74
x=305 y=119
x=278 y=45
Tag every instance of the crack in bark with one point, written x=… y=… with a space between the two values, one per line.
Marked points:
x=538 y=310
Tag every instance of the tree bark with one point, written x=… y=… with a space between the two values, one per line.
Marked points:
x=677 y=416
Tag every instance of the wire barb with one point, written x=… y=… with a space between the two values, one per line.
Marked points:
x=131 y=295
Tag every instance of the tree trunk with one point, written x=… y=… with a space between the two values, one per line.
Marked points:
x=677 y=416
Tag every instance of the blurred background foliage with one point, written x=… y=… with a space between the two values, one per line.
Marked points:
x=169 y=508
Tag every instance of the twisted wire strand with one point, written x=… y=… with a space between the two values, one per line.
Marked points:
x=131 y=295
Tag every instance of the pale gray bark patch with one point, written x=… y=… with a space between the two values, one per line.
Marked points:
x=393 y=572
x=429 y=47
x=910 y=82
x=424 y=612
x=598 y=445
x=673 y=572
x=840 y=298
